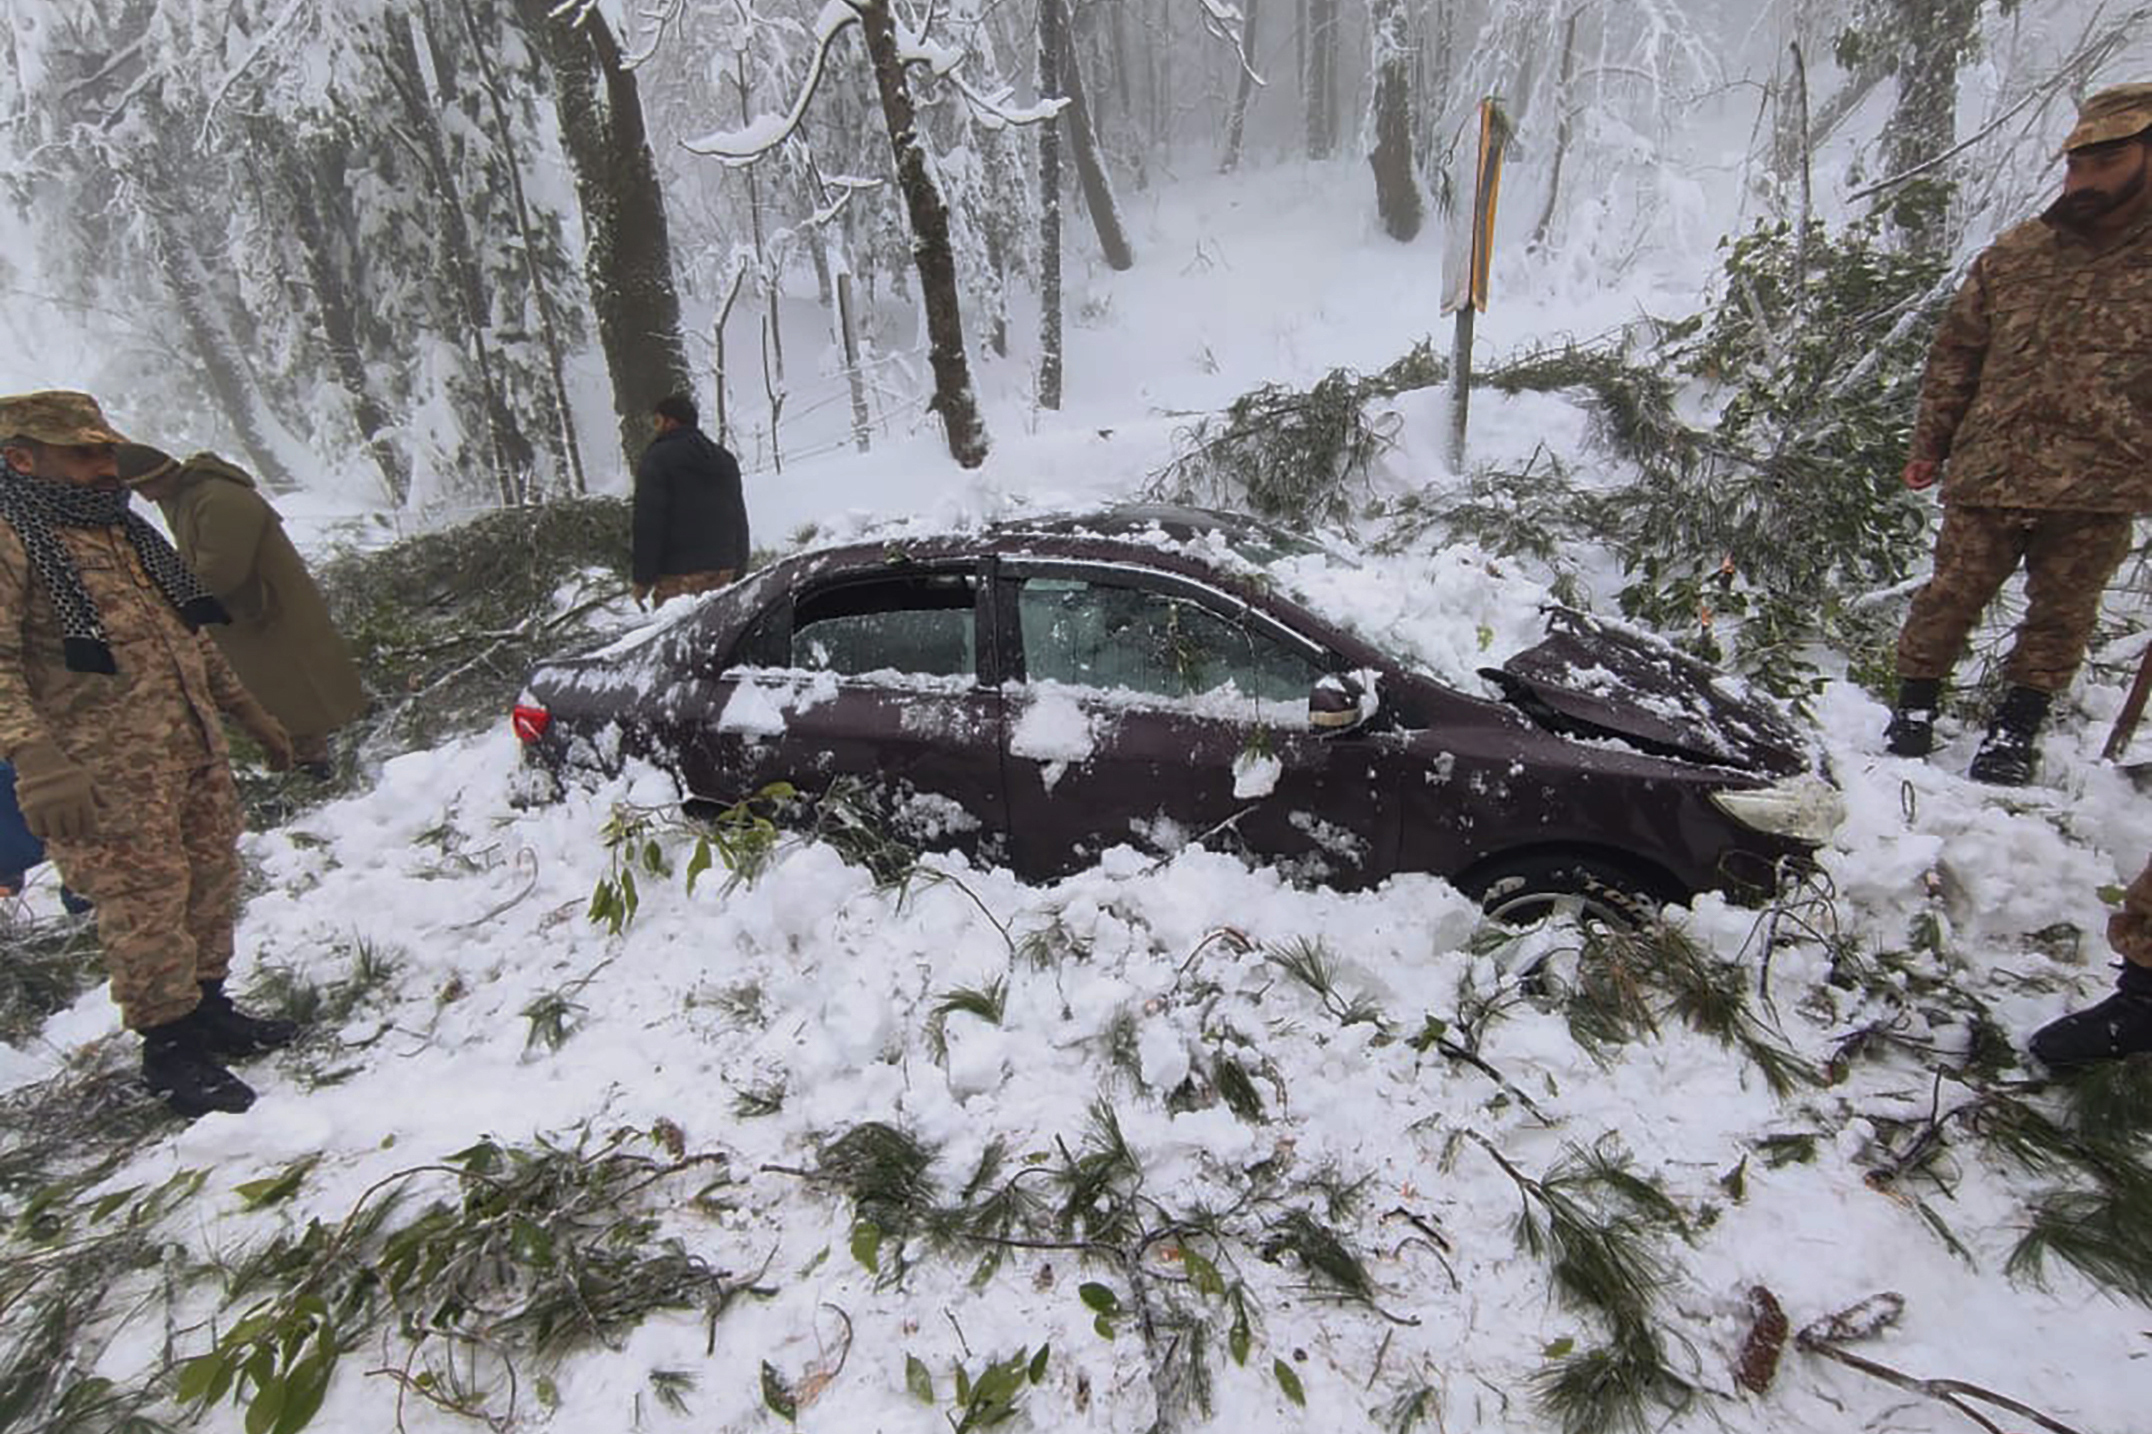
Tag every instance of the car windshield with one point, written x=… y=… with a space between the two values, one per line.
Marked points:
x=1445 y=617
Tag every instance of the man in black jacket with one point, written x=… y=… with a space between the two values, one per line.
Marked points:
x=690 y=520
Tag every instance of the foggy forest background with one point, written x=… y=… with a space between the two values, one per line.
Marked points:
x=416 y=246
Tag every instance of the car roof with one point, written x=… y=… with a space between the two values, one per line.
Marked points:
x=1122 y=533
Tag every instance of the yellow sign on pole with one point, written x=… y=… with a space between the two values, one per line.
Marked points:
x=1465 y=263
x=1470 y=255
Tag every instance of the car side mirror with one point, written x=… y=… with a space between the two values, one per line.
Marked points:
x=1340 y=702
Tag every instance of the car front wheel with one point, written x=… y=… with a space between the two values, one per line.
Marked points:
x=1537 y=886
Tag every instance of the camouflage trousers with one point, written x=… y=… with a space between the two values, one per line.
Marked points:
x=2068 y=558
x=673 y=585
x=163 y=870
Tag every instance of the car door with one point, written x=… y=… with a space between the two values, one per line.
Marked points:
x=1151 y=709
x=870 y=683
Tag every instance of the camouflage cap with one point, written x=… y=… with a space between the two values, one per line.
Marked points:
x=55 y=415
x=2117 y=112
x=139 y=463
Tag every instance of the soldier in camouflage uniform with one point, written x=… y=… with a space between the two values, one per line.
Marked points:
x=2036 y=413
x=2121 y=1025
x=109 y=703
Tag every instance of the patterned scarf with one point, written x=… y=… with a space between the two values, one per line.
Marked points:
x=33 y=506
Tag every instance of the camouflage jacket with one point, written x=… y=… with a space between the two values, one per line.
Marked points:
x=157 y=713
x=2038 y=391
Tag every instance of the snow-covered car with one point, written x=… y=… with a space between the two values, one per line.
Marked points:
x=1040 y=691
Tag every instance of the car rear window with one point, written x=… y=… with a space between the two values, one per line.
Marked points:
x=924 y=625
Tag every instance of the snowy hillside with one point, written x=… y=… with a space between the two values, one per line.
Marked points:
x=1203 y=1150
x=604 y=1121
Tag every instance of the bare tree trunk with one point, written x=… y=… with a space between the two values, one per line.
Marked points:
x=1934 y=38
x=1053 y=42
x=466 y=280
x=298 y=172
x=1806 y=205
x=932 y=253
x=855 y=377
x=1090 y=169
x=628 y=246
x=1236 y=124
x=216 y=350
x=1397 y=184
x=1322 y=82
x=724 y=312
x=1561 y=130
x=567 y=452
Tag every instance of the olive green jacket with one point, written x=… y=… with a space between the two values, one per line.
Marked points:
x=281 y=640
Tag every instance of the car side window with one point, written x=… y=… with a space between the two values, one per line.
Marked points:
x=1110 y=636
x=921 y=626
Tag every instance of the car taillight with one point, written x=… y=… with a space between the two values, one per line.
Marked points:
x=529 y=721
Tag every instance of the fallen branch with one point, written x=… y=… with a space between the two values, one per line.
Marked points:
x=1877 y=1313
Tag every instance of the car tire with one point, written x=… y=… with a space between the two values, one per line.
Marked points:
x=1531 y=887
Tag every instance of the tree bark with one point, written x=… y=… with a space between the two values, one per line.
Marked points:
x=1561 y=130
x=567 y=452
x=1090 y=169
x=298 y=172
x=1397 y=186
x=1236 y=123
x=466 y=280
x=1322 y=78
x=1052 y=44
x=628 y=245
x=1934 y=37
x=932 y=253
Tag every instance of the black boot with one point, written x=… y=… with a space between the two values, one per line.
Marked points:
x=229 y=1031
x=179 y=1071
x=1911 y=732
x=2119 y=1026
x=2006 y=754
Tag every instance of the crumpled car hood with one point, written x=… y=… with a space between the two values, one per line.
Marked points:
x=1592 y=680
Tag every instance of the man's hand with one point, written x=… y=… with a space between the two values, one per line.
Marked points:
x=1921 y=473
x=267 y=732
x=55 y=794
x=640 y=592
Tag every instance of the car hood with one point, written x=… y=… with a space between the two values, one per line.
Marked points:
x=1589 y=679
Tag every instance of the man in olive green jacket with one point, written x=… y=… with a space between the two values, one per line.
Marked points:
x=2036 y=415
x=281 y=638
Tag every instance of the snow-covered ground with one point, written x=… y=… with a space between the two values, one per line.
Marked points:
x=814 y=994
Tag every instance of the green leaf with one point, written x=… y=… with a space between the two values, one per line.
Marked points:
x=777 y=1396
x=1289 y=1382
x=271 y=1189
x=197 y=1376
x=1037 y=1371
x=1202 y=1273
x=1237 y=1338
x=305 y=1387
x=867 y=1245
x=1104 y=1325
x=1099 y=1297
x=1560 y=1348
x=267 y=1404
x=111 y=1202
x=918 y=1380
x=963 y=1386
x=698 y=863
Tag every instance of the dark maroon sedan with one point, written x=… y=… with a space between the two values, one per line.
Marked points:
x=1038 y=692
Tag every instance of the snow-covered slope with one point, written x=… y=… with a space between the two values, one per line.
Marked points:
x=1413 y=1080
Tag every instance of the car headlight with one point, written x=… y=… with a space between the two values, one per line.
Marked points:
x=1805 y=808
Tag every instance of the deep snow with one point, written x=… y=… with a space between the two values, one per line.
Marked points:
x=813 y=981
